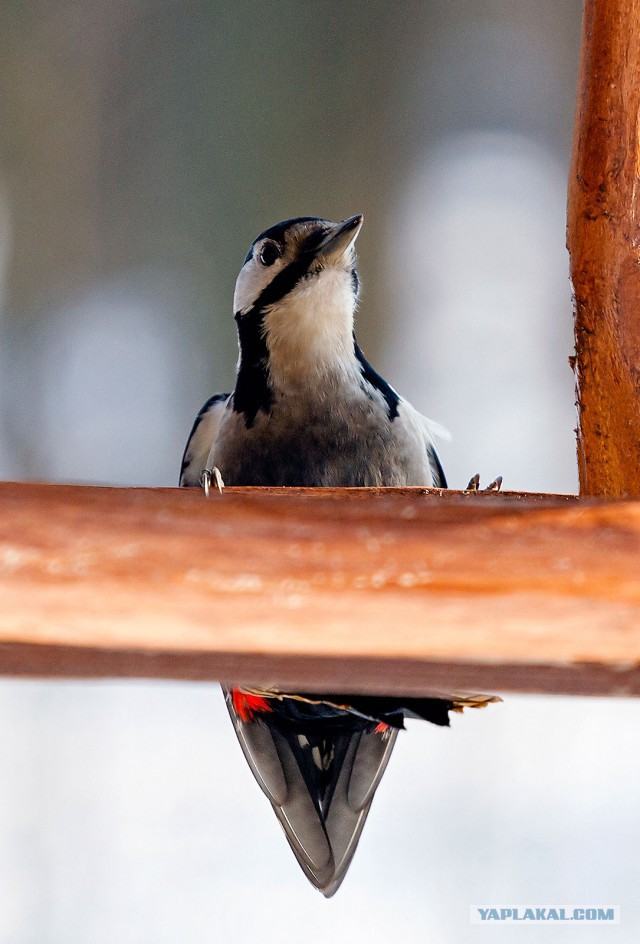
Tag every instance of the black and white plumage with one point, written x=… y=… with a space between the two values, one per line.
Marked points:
x=320 y=758
x=307 y=408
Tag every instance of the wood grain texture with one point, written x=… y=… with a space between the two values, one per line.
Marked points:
x=380 y=590
x=604 y=244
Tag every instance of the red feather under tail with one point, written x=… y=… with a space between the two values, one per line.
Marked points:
x=248 y=705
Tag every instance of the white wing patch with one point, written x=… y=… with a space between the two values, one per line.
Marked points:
x=430 y=431
x=201 y=439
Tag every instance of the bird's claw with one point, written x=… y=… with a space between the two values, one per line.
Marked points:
x=474 y=484
x=209 y=477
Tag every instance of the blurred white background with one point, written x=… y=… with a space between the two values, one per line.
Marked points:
x=145 y=145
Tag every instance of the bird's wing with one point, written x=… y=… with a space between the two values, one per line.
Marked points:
x=201 y=439
x=431 y=431
x=320 y=783
x=439 y=478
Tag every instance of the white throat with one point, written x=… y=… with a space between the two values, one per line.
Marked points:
x=309 y=333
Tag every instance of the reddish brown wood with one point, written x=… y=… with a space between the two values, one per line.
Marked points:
x=604 y=243
x=375 y=590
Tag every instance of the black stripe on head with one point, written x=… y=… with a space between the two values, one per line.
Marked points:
x=253 y=389
x=374 y=379
x=276 y=233
x=287 y=279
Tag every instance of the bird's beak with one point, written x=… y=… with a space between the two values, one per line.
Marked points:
x=340 y=239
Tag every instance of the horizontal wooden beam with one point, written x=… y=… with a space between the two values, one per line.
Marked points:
x=389 y=590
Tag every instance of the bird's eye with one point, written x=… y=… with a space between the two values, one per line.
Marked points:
x=269 y=253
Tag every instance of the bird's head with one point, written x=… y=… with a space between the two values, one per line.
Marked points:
x=296 y=294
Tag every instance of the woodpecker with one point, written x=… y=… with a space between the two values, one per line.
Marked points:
x=309 y=410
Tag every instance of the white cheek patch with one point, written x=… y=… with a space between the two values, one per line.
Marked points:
x=254 y=278
x=251 y=282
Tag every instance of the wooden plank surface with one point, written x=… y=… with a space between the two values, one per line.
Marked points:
x=604 y=242
x=365 y=590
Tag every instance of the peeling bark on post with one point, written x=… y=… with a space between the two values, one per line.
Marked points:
x=604 y=244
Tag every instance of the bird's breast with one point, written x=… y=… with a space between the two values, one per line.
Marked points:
x=347 y=440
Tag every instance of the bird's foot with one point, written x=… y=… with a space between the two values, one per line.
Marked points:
x=209 y=477
x=474 y=484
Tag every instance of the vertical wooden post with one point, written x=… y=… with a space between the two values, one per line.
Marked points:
x=604 y=245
